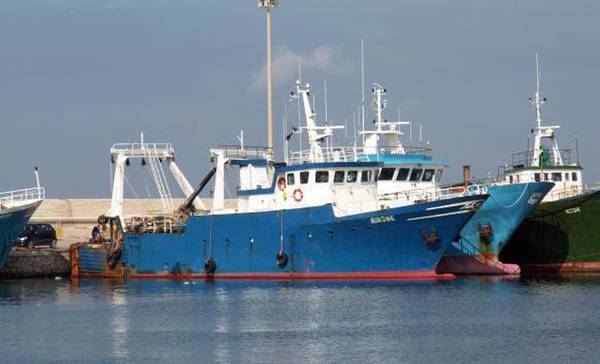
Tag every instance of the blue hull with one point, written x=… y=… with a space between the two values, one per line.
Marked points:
x=396 y=243
x=484 y=236
x=12 y=223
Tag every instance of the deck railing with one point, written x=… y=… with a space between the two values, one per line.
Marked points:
x=9 y=198
x=246 y=152
x=525 y=159
x=143 y=150
x=167 y=224
x=352 y=154
x=432 y=194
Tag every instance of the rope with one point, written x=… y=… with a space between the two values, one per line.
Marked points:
x=143 y=204
x=159 y=179
x=169 y=198
x=514 y=203
x=281 y=233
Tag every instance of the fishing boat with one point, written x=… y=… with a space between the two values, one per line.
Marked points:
x=16 y=208
x=562 y=234
x=407 y=172
x=314 y=219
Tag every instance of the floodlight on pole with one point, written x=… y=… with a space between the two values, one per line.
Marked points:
x=268 y=5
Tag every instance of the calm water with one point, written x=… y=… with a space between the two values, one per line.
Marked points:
x=465 y=320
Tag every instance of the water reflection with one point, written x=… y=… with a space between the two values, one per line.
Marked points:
x=120 y=324
x=542 y=318
x=222 y=354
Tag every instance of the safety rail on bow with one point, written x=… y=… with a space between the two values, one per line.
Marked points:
x=434 y=193
x=9 y=198
x=572 y=191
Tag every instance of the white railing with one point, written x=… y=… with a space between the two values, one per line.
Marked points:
x=143 y=149
x=570 y=191
x=433 y=194
x=352 y=154
x=246 y=152
x=167 y=224
x=9 y=198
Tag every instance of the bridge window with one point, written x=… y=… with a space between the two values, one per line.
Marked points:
x=428 y=175
x=386 y=174
x=322 y=177
x=574 y=176
x=438 y=175
x=365 y=176
x=416 y=174
x=352 y=176
x=557 y=177
x=510 y=179
x=338 y=177
x=402 y=174
x=566 y=176
x=304 y=177
x=291 y=179
x=536 y=177
x=546 y=177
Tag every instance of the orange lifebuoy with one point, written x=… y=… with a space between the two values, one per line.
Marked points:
x=298 y=195
x=281 y=183
x=457 y=190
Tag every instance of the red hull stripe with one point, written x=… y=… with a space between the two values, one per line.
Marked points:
x=400 y=275
x=573 y=267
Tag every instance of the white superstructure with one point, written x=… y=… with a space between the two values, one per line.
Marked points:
x=545 y=161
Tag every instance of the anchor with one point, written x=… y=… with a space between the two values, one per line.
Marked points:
x=430 y=239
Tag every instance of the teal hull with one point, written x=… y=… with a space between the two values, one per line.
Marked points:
x=488 y=231
x=12 y=223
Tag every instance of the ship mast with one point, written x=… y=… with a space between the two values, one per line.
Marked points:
x=386 y=130
x=317 y=135
x=541 y=132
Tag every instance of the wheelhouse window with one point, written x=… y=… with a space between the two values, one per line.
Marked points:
x=415 y=175
x=352 y=176
x=386 y=174
x=557 y=177
x=291 y=179
x=322 y=177
x=510 y=179
x=365 y=176
x=438 y=175
x=402 y=174
x=574 y=177
x=537 y=177
x=338 y=177
x=428 y=175
x=566 y=176
x=304 y=177
x=546 y=178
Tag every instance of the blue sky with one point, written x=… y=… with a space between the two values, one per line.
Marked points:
x=79 y=75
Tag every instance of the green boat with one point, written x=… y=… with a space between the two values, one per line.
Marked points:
x=563 y=233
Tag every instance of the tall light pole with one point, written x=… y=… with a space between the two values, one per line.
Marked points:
x=269 y=5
